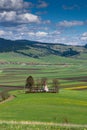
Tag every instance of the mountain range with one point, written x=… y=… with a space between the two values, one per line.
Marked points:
x=37 y=49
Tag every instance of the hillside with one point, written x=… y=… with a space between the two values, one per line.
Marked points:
x=36 y=49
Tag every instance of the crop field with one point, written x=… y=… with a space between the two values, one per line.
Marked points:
x=70 y=72
x=69 y=106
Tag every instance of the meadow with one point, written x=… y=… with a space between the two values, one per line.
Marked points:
x=15 y=70
x=63 y=107
x=68 y=106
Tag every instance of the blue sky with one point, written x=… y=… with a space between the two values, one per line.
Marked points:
x=54 y=21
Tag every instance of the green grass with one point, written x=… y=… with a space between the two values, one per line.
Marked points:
x=15 y=69
x=5 y=126
x=15 y=74
x=67 y=106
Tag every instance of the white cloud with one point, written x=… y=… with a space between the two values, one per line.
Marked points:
x=84 y=36
x=41 y=34
x=7 y=16
x=27 y=17
x=31 y=33
x=12 y=16
x=15 y=12
x=2 y=32
x=66 y=23
x=13 y=4
x=6 y=34
x=38 y=34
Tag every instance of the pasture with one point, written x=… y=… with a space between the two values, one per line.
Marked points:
x=68 y=106
x=63 y=107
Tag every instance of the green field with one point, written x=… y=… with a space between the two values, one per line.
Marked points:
x=67 y=106
x=15 y=70
x=63 y=107
x=6 y=126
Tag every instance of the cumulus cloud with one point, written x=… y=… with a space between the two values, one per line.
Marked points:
x=27 y=18
x=14 y=18
x=15 y=12
x=66 y=23
x=13 y=4
x=7 y=16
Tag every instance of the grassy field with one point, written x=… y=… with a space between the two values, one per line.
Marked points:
x=67 y=106
x=64 y=107
x=15 y=70
x=6 y=126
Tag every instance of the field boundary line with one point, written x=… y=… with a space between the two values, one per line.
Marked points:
x=42 y=123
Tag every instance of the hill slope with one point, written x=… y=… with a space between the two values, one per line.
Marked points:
x=37 y=49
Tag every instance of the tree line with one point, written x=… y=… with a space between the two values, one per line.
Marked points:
x=41 y=85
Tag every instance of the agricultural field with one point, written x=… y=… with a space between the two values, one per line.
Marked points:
x=69 y=71
x=66 y=107
x=43 y=65
x=69 y=106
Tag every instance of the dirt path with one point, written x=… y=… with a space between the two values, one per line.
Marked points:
x=8 y=99
x=42 y=123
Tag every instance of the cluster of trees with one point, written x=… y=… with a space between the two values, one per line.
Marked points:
x=41 y=85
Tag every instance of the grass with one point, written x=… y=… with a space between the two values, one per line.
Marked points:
x=6 y=126
x=16 y=69
x=17 y=74
x=67 y=106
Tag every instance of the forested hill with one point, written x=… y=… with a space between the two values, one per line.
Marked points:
x=37 y=49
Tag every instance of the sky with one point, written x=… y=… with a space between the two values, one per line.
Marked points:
x=50 y=21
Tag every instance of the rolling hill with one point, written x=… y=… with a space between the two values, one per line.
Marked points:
x=37 y=49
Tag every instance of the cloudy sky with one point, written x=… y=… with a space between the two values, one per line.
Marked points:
x=55 y=21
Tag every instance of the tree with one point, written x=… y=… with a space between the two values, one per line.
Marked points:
x=56 y=85
x=29 y=83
